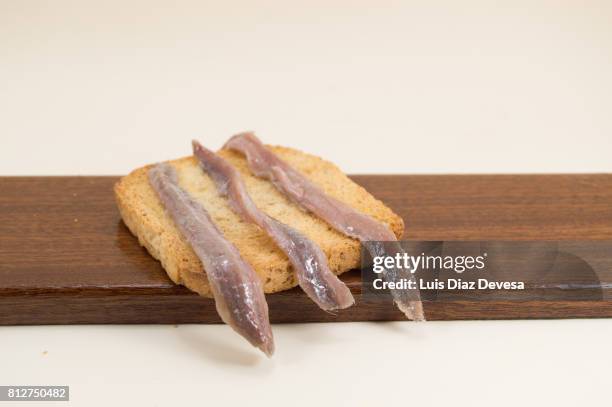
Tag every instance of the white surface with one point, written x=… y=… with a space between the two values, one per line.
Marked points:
x=412 y=87
x=524 y=363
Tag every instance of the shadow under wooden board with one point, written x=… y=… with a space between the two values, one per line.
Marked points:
x=66 y=257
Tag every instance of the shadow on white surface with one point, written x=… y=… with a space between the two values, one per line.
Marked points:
x=307 y=333
x=408 y=329
x=216 y=348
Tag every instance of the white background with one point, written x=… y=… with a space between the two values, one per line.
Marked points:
x=405 y=87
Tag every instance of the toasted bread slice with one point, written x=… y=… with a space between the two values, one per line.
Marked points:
x=144 y=215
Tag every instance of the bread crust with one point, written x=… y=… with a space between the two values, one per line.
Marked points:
x=144 y=215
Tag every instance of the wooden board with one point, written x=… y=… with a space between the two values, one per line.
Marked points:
x=66 y=257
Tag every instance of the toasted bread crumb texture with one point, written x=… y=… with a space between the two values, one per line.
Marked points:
x=144 y=215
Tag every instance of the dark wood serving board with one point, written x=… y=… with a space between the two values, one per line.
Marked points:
x=66 y=257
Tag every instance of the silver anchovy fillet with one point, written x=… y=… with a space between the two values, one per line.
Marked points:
x=238 y=292
x=308 y=260
x=266 y=164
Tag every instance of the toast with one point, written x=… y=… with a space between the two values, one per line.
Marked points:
x=146 y=218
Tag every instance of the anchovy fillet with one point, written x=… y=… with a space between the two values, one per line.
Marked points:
x=308 y=260
x=266 y=164
x=238 y=293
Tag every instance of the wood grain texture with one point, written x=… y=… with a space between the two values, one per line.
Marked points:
x=66 y=257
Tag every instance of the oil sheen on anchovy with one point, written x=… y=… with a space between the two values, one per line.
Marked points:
x=238 y=292
x=307 y=259
x=264 y=163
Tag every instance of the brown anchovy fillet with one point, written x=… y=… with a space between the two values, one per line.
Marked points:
x=264 y=163
x=239 y=295
x=308 y=260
